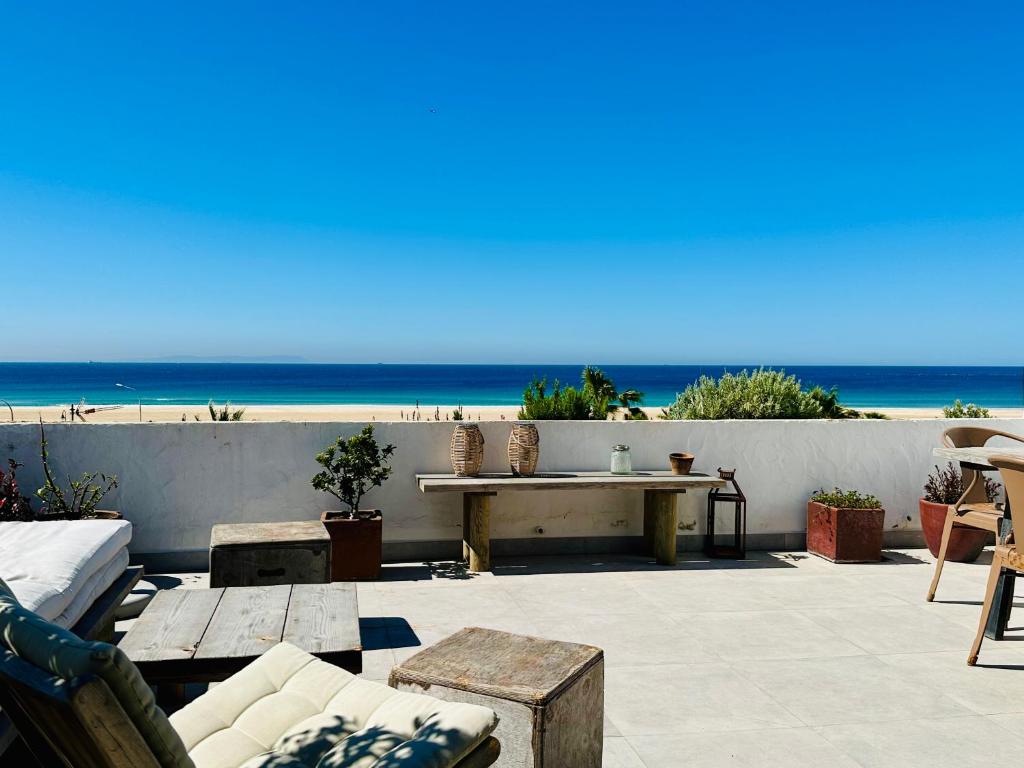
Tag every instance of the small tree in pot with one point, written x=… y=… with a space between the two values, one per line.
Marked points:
x=350 y=468
x=944 y=487
x=845 y=526
x=83 y=496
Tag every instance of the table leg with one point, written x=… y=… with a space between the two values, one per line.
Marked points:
x=661 y=521
x=1002 y=600
x=476 y=535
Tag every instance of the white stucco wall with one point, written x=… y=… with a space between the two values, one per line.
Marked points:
x=179 y=479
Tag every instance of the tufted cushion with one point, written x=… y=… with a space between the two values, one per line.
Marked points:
x=290 y=710
x=58 y=652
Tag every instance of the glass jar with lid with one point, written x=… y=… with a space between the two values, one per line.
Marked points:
x=621 y=462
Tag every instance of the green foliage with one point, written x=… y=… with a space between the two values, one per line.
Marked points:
x=13 y=504
x=351 y=467
x=763 y=394
x=457 y=414
x=564 y=403
x=846 y=499
x=946 y=486
x=595 y=400
x=85 y=493
x=959 y=410
x=225 y=413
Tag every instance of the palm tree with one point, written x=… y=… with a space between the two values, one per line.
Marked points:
x=225 y=413
x=601 y=392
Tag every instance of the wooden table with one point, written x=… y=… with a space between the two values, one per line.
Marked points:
x=206 y=635
x=979 y=459
x=660 y=489
x=549 y=695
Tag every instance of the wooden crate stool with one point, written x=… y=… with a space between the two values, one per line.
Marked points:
x=268 y=554
x=548 y=694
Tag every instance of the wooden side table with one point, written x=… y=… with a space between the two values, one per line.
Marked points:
x=267 y=554
x=548 y=694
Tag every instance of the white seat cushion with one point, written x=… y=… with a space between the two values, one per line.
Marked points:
x=288 y=709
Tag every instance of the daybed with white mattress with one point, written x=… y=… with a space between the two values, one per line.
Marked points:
x=71 y=572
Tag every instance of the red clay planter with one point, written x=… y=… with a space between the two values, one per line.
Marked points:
x=965 y=544
x=844 y=535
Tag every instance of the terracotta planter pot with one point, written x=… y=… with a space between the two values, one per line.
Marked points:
x=844 y=535
x=355 y=544
x=965 y=544
x=680 y=463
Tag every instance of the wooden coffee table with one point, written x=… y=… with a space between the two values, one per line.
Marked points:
x=206 y=635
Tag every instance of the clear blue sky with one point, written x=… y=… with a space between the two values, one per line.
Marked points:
x=794 y=182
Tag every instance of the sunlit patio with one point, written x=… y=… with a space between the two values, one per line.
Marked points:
x=782 y=659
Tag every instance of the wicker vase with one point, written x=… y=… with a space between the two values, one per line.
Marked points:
x=467 y=452
x=523 y=449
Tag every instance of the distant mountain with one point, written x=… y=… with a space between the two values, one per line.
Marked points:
x=226 y=359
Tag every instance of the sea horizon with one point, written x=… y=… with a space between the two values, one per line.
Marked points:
x=500 y=384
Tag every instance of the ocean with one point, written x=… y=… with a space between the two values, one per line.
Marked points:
x=308 y=384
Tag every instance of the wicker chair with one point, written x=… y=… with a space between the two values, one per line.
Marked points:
x=1005 y=555
x=84 y=704
x=972 y=509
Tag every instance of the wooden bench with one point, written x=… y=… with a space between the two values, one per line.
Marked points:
x=660 y=489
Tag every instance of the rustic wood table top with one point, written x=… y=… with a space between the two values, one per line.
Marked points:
x=205 y=635
x=978 y=457
x=649 y=480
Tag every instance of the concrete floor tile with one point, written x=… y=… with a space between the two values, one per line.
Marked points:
x=619 y=754
x=847 y=690
x=1013 y=723
x=766 y=635
x=962 y=742
x=894 y=629
x=775 y=748
x=982 y=688
x=688 y=698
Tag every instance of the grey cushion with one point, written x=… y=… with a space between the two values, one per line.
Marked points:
x=58 y=652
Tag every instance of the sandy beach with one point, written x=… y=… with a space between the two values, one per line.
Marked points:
x=191 y=413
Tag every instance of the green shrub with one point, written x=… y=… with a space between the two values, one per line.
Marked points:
x=763 y=394
x=225 y=413
x=564 y=403
x=846 y=499
x=959 y=410
x=352 y=467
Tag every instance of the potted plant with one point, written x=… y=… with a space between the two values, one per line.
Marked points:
x=845 y=526
x=350 y=468
x=86 y=493
x=13 y=504
x=944 y=487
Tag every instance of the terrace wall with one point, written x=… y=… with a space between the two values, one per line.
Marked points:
x=176 y=480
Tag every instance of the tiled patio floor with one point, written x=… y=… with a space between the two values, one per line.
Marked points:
x=783 y=659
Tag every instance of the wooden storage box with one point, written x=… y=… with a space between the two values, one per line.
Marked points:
x=267 y=554
x=548 y=694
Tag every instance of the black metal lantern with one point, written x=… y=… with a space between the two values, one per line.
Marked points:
x=738 y=549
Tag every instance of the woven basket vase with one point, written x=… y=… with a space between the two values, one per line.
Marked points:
x=467 y=451
x=523 y=449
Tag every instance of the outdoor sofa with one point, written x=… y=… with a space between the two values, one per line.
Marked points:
x=84 y=704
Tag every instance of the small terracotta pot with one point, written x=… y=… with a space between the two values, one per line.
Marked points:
x=965 y=544
x=680 y=463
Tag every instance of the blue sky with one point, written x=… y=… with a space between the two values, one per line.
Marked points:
x=455 y=182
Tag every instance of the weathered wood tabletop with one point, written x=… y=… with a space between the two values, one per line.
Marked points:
x=977 y=456
x=660 y=488
x=206 y=635
x=652 y=480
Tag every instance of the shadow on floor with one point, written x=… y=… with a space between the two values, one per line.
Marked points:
x=614 y=563
x=456 y=570
x=380 y=632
